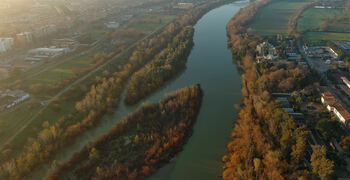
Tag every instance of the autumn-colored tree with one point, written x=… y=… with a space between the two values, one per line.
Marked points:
x=154 y=128
x=93 y=153
x=321 y=166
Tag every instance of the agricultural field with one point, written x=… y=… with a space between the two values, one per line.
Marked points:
x=313 y=19
x=10 y=121
x=321 y=24
x=318 y=37
x=151 y=22
x=273 y=18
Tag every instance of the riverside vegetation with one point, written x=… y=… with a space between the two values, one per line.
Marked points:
x=265 y=142
x=163 y=67
x=141 y=143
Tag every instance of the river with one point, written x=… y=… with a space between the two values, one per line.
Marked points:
x=210 y=64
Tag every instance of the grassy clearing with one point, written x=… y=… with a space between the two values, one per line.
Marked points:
x=311 y=22
x=318 y=37
x=151 y=22
x=11 y=121
x=273 y=18
x=313 y=18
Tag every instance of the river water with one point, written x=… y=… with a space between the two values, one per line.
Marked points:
x=209 y=64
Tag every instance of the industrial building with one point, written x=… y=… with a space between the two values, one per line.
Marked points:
x=112 y=25
x=10 y=98
x=65 y=43
x=45 y=53
x=5 y=44
x=184 y=6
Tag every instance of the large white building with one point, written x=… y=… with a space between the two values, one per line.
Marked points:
x=45 y=53
x=66 y=43
x=5 y=44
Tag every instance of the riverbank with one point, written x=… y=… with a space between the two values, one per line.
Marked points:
x=265 y=143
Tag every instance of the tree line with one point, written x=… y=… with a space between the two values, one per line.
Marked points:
x=167 y=63
x=141 y=143
x=265 y=142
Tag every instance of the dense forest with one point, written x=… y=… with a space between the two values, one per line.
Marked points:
x=167 y=63
x=141 y=143
x=102 y=96
x=265 y=142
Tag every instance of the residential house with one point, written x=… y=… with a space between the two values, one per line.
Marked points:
x=336 y=107
x=346 y=81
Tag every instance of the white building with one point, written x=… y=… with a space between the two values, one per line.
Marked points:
x=66 y=43
x=45 y=53
x=265 y=45
x=112 y=25
x=346 y=81
x=334 y=106
x=184 y=5
x=5 y=44
x=17 y=96
x=342 y=114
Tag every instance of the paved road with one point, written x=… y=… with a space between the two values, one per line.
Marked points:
x=64 y=90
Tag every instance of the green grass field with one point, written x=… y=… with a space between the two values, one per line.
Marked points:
x=10 y=121
x=151 y=22
x=312 y=19
x=273 y=18
x=317 y=37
